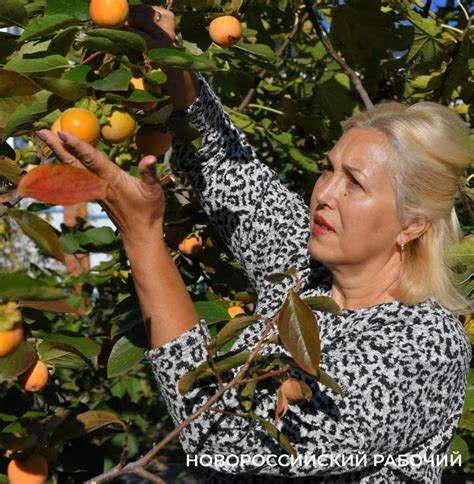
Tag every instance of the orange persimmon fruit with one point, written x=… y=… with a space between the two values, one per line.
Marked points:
x=151 y=141
x=33 y=470
x=225 y=31
x=109 y=14
x=80 y=122
x=233 y=311
x=120 y=126
x=11 y=339
x=191 y=245
x=35 y=378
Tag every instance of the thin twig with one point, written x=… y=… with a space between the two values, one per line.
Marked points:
x=145 y=460
x=210 y=357
x=457 y=49
x=148 y=475
x=463 y=8
x=337 y=57
x=426 y=8
x=267 y=375
x=91 y=57
x=123 y=455
x=251 y=92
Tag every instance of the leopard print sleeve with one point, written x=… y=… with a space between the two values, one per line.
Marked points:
x=404 y=374
x=265 y=225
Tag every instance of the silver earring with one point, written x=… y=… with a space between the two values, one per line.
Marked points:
x=402 y=247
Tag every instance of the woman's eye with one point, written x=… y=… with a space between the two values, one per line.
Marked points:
x=353 y=181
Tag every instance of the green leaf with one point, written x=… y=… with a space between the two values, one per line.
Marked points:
x=181 y=60
x=71 y=304
x=323 y=303
x=246 y=394
x=203 y=370
x=10 y=170
x=39 y=231
x=117 y=80
x=62 y=355
x=159 y=116
x=102 y=44
x=232 y=329
x=70 y=90
x=78 y=9
x=77 y=424
x=15 y=84
x=18 y=285
x=326 y=380
x=46 y=63
x=299 y=333
x=261 y=50
x=211 y=311
x=86 y=346
x=17 y=362
x=97 y=239
x=47 y=25
x=280 y=438
x=186 y=131
x=15 y=442
x=459 y=446
x=125 y=354
x=12 y=12
x=22 y=120
x=8 y=45
x=125 y=39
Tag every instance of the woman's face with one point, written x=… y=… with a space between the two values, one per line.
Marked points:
x=355 y=197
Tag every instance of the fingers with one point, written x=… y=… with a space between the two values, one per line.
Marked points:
x=92 y=159
x=147 y=170
x=57 y=148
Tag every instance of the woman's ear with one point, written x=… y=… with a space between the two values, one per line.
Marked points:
x=413 y=230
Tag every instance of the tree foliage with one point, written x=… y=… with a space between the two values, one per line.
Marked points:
x=299 y=71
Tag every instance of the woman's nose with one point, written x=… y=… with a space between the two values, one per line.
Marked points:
x=326 y=191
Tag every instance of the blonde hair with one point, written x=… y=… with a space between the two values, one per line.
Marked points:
x=431 y=154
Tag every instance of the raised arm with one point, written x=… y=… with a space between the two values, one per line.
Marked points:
x=264 y=224
x=393 y=406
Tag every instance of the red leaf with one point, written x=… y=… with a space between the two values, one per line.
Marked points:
x=61 y=185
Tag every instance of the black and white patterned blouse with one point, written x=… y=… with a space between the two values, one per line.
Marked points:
x=403 y=367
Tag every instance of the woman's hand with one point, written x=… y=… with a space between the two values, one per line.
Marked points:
x=155 y=24
x=135 y=205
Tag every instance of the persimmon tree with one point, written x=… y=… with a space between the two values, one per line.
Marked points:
x=299 y=69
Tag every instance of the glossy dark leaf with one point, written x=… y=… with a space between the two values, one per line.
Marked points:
x=120 y=37
x=280 y=438
x=43 y=26
x=77 y=424
x=323 y=303
x=125 y=354
x=298 y=330
x=203 y=370
x=39 y=231
x=17 y=362
x=232 y=329
x=181 y=60
x=18 y=285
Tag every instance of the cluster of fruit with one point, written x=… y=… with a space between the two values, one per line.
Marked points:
x=33 y=470
x=121 y=123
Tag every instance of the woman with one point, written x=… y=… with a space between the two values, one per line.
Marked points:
x=380 y=215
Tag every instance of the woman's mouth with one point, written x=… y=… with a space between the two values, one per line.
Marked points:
x=321 y=227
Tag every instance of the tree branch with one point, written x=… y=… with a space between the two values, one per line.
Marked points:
x=140 y=465
x=457 y=49
x=251 y=92
x=337 y=57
